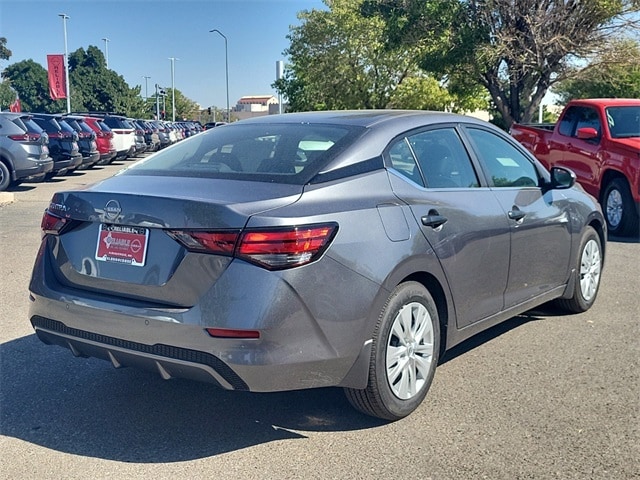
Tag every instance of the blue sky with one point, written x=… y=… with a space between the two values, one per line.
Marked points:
x=143 y=34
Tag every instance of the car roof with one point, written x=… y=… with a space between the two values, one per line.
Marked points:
x=363 y=118
x=381 y=126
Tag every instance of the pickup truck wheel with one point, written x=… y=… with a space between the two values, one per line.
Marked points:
x=406 y=346
x=619 y=210
x=589 y=269
x=5 y=177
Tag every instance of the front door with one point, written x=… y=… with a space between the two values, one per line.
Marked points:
x=539 y=223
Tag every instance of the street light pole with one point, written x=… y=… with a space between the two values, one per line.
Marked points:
x=226 y=68
x=65 y=17
x=146 y=87
x=173 y=88
x=106 y=51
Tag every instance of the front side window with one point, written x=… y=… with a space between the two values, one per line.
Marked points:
x=588 y=119
x=505 y=164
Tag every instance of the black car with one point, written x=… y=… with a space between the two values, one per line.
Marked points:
x=63 y=143
x=86 y=140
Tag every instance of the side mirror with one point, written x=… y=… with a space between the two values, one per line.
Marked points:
x=587 y=133
x=562 y=178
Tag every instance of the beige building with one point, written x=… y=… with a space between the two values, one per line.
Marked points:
x=254 y=106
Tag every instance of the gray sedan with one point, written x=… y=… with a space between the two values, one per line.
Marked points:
x=346 y=248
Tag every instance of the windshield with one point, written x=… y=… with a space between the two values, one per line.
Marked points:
x=624 y=122
x=284 y=153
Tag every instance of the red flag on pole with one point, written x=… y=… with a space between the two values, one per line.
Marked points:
x=57 y=83
x=15 y=106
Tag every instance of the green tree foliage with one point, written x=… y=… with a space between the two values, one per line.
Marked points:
x=7 y=95
x=5 y=53
x=29 y=80
x=96 y=88
x=185 y=108
x=613 y=74
x=516 y=49
x=338 y=60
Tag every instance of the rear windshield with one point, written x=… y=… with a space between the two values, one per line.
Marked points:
x=283 y=153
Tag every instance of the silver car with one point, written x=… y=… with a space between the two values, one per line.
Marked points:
x=24 y=152
x=347 y=248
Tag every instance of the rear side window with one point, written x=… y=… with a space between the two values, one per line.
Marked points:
x=435 y=159
x=286 y=153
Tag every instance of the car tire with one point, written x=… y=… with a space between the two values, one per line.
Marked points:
x=589 y=271
x=405 y=351
x=5 y=177
x=619 y=209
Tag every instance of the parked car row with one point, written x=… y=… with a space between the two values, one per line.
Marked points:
x=37 y=146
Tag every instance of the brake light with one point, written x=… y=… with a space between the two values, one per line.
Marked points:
x=273 y=249
x=52 y=224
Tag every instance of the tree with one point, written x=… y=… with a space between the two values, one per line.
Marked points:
x=185 y=108
x=516 y=49
x=5 y=53
x=614 y=73
x=338 y=60
x=29 y=80
x=97 y=88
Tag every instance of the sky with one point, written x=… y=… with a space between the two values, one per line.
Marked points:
x=143 y=34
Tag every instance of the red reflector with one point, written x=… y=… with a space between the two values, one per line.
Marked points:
x=232 y=333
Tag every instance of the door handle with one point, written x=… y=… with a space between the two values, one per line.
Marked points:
x=516 y=214
x=433 y=219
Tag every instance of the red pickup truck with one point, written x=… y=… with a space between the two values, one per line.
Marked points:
x=599 y=139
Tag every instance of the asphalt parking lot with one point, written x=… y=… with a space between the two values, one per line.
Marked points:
x=542 y=396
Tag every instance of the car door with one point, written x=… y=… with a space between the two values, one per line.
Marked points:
x=584 y=156
x=463 y=222
x=538 y=219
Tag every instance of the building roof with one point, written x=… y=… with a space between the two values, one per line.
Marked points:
x=248 y=99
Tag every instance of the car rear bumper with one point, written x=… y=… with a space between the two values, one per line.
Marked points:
x=90 y=159
x=188 y=352
x=35 y=171
x=107 y=157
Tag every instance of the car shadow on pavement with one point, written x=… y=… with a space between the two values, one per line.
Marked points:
x=86 y=407
x=490 y=334
x=628 y=239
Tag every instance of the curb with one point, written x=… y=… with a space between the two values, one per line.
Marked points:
x=6 y=197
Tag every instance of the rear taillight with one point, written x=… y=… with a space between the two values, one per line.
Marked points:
x=19 y=138
x=52 y=224
x=277 y=249
x=222 y=242
x=273 y=249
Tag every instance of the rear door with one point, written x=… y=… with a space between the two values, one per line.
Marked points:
x=463 y=221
